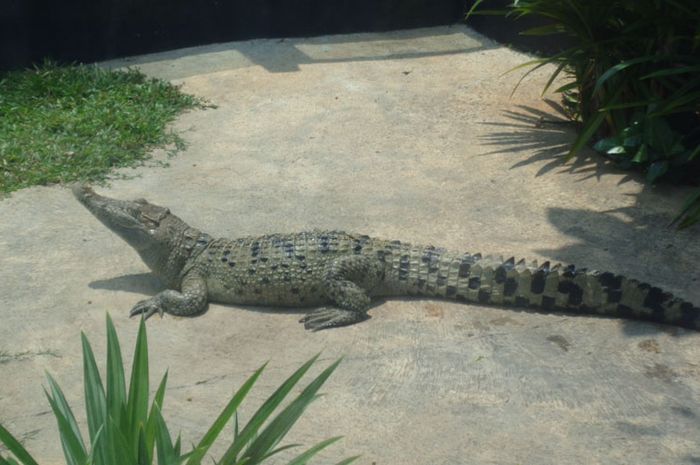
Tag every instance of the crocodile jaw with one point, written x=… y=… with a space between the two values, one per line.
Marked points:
x=132 y=221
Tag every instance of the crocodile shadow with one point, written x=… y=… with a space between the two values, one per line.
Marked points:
x=631 y=328
x=139 y=283
x=148 y=285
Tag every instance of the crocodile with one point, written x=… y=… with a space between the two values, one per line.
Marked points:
x=341 y=273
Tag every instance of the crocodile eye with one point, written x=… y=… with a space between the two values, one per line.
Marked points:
x=152 y=215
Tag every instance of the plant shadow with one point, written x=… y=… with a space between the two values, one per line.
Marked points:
x=547 y=137
x=292 y=54
x=619 y=241
x=148 y=284
x=635 y=240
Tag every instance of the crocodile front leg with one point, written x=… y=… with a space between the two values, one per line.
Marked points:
x=346 y=283
x=192 y=300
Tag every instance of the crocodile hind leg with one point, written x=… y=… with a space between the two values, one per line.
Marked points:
x=346 y=283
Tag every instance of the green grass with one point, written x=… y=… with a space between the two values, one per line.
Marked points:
x=63 y=124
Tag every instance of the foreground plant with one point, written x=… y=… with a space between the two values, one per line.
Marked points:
x=634 y=81
x=124 y=430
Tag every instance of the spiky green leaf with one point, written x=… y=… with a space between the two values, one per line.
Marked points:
x=156 y=405
x=95 y=402
x=588 y=131
x=201 y=449
x=116 y=385
x=14 y=446
x=167 y=453
x=137 y=404
x=144 y=455
x=264 y=412
x=71 y=439
x=282 y=423
x=305 y=456
x=348 y=460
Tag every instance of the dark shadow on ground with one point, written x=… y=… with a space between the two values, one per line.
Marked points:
x=636 y=241
x=148 y=285
x=141 y=283
x=550 y=136
x=268 y=53
x=633 y=241
x=632 y=328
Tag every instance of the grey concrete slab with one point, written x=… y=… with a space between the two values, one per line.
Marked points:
x=410 y=135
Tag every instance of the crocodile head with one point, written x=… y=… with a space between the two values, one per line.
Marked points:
x=161 y=238
x=137 y=222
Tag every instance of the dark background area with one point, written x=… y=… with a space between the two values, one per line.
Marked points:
x=91 y=30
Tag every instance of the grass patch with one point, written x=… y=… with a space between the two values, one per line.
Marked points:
x=63 y=124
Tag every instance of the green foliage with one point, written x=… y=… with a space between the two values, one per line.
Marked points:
x=123 y=430
x=634 y=80
x=62 y=124
x=648 y=142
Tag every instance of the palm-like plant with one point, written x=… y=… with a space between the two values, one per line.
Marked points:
x=124 y=430
x=634 y=80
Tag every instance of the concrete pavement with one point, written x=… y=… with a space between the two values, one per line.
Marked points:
x=409 y=135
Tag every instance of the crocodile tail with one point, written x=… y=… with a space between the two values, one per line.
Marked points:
x=492 y=280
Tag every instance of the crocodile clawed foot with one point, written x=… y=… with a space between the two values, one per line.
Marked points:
x=147 y=308
x=329 y=317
